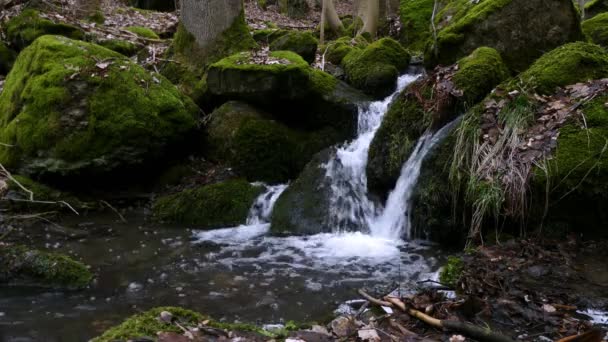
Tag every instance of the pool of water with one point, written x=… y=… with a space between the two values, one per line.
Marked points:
x=236 y=274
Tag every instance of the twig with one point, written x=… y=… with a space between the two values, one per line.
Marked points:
x=122 y=218
x=10 y=177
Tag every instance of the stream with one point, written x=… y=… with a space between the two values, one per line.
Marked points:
x=239 y=273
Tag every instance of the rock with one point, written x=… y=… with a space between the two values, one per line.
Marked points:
x=303 y=208
x=21 y=265
x=336 y=50
x=407 y=119
x=343 y=326
x=121 y=46
x=219 y=205
x=294 y=8
x=85 y=112
x=595 y=7
x=505 y=25
x=375 y=69
x=142 y=32
x=23 y=29
x=283 y=84
x=7 y=58
x=155 y=5
x=303 y=43
x=415 y=17
x=40 y=192
x=166 y=316
x=260 y=148
x=596 y=29
x=268 y=35
x=368 y=335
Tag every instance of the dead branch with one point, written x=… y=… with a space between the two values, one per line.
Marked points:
x=122 y=218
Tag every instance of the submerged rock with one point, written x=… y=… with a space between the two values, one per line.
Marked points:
x=303 y=43
x=74 y=109
x=260 y=148
x=376 y=68
x=519 y=29
x=224 y=204
x=23 y=29
x=25 y=266
x=283 y=84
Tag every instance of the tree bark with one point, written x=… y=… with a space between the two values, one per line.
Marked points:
x=369 y=12
x=331 y=18
x=206 y=20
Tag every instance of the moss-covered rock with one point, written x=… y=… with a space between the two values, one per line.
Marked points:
x=121 y=46
x=20 y=265
x=415 y=17
x=375 y=69
x=336 y=50
x=268 y=35
x=451 y=271
x=39 y=192
x=595 y=7
x=505 y=25
x=143 y=32
x=258 y=147
x=596 y=29
x=23 y=29
x=72 y=108
x=568 y=64
x=303 y=208
x=407 y=118
x=7 y=58
x=224 y=204
x=288 y=88
x=301 y=42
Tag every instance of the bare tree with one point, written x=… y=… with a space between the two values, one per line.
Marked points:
x=330 y=17
x=370 y=12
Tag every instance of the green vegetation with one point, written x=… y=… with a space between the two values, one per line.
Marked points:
x=375 y=69
x=74 y=108
x=124 y=47
x=19 y=264
x=595 y=7
x=23 y=29
x=479 y=73
x=224 y=204
x=596 y=29
x=568 y=64
x=143 y=32
x=416 y=19
x=336 y=50
x=97 y=18
x=302 y=43
x=268 y=35
x=451 y=272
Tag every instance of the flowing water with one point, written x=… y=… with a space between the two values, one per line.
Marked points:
x=240 y=273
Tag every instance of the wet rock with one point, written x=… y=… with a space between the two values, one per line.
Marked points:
x=166 y=316
x=343 y=326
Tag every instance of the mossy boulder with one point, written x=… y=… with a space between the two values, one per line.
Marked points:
x=568 y=64
x=124 y=47
x=143 y=32
x=521 y=30
x=415 y=17
x=303 y=208
x=595 y=7
x=288 y=88
x=303 y=43
x=336 y=50
x=74 y=109
x=258 y=147
x=39 y=192
x=23 y=29
x=224 y=204
x=407 y=118
x=376 y=68
x=20 y=265
x=268 y=35
x=7 y=58
x=596 y=29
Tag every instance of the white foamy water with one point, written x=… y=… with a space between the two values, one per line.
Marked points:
x=394 y=221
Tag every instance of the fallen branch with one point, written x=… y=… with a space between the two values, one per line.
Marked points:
x=480 y=334
x=122 y=218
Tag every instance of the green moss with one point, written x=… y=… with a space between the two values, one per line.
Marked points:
x=479 y=73
x=23 y=29
x=335 y=51
x=416 y=20
x=595 y=7
x=97 y=17
x=224 y=204
x=268 y=35
x=124 y=47
x=301 y=42
x=7 y=58
x=66 y=116
x=143 y=32
x=451 y=272
x=568 y=64
x=596 y=29
x=148 y=324
x=376 y=68
x=21 y=264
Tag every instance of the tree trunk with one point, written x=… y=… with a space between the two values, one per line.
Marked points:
x=369 y=12
x=331 y=18
x=581 y=5
x=206 y=20
x=86 y=8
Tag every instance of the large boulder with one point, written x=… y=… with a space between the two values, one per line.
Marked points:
x=23 y=29
x=336 y=50
x=7 y=58
x=283 y=84
x=416 y=17
x=596 y=29
x=71 y=108
x=20 y=265
x=303 y=208
x=258 y=147
x=303 y=43
x=376 y=68
x=521 y=30
x=224 y=204
x=595 y=7
x=427 y=102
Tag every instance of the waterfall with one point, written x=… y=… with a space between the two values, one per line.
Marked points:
x=350 y=208
x=260 y=211
x=394 y=221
